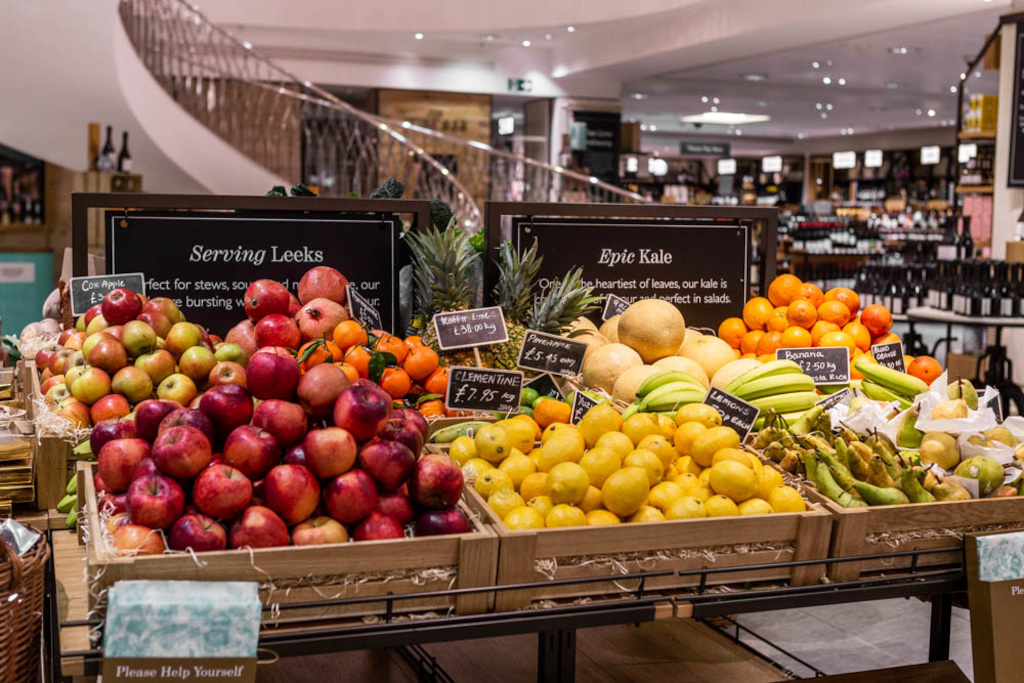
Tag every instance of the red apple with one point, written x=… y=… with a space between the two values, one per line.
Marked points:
x=115 y=504
x=157 y=321
x=277 y=350
x=109 y=430
x=362 y=410
x=189 y=417
x=133 y=539
x=77 y=413
x=277 y=329
x=293 y=305
x=323 y=282
x=165 y=306
x=109 y=355
x=93 y=339
x=59 y=359
x=120 y=306
x=110 y=407
x=405 y=432
x=94 y=310
x=319 y=317
x=155 y=501
x=286 y=421
x=149 y=414
x=230 y=351
x=330 y=451
x=196 y=363
x=320 y=387
x=292 y=492
x=221 y=491
x=272 y=376
x=378 y=526
x=91 y=386
x=319 y=531
x=182 y=336
x=436 y=482
x=252 y=450
x=133 y=383
x=159 y=365
x=198 y=532
x=439 y=522
x=177 y=387
x=45 y=354
x=75 y=341
x=227 y=372
x=116 y=462
x=395 y=505
x=52 y=381
x=296 y=456
x=243 y=334
x=265 y=297
x=414 y=416
x=390 y=463
x=182 y=452
x=145 y=468
x=228 y=406
x=57 y=394
x=258 y=527
x=351 y=496
x=138 y=338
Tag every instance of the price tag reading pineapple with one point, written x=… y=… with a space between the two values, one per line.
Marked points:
x=613 y=306
x=581 y=403
x=362 y=310
x=889 y=355
x=496 y=391
x=550 y=353
x=475 y=327
x=736 y=413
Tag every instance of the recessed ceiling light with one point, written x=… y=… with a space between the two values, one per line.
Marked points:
x=547 y=36
x=952 y=88
x=815 y=65
x=829 y=106
x=762 y=103
x=490 y=37
x=817 y=105
x=917 y=111
x=800 y=136
x=901 y=50
x=704 y=99
x=418 y=36
x=726 y=118
x=824 y=115
x=977 y=74
x=570 y=29
x=842 y=81
x=754 y=77
x=639 y=96
x=652 y=128
x=526 y=43
x=739 y=132
x=963 y=76
x=826 y=80
x=715 y=100
x=713 y=108
x=829 y=62
x=893 y=86
x=931 y=112
x=643 y=126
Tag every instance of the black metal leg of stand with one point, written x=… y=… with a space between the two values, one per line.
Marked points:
x=556 y=656
x=942 y=617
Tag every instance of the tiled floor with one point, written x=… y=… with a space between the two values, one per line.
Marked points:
x=856 y=637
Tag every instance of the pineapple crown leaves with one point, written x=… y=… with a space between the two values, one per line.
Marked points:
x=441 y=269
x=567 y=299
x=516 y=278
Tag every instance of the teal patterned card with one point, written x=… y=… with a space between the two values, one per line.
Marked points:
x=1001 y=557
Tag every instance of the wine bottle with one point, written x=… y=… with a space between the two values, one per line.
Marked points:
x=949 y=248
x=1009 y=297
x=966 y=241
x=107 y=160
x=124 y=157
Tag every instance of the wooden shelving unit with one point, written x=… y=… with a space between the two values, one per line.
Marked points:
x=974 y=189
x=976 y=135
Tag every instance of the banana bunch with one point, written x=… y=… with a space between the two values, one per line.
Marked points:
x=885 y=384
x=69 y=503
x=666 y=392
x=779 y=386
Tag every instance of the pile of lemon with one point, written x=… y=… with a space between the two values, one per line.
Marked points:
x=605 y=471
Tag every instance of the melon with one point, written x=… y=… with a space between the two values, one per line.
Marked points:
x=711 y=353
x=684 y=365
x=610 y=328
x=582 y=323
x=604 y=365
x=592 y=338
x=653 y=327
x=731 y=371
x=691 y=334
x=629 y=381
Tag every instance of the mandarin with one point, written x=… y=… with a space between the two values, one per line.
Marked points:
x=389 y=343
x=778 y=320
x=821 y=328
x=796 y=338
x=359 y=358
x=748 y=344
x=421 y=361
x=834 y=312
x=732 y=331
x=756 y=312
x=925 y=368
x=802 y=313
x=437 y=382
x=349 y=333
x=769 y=343
x=839 y=339
x=844 y=295
x=812 y=293
x=784 y=289
x=861 y=335
x=396 y=382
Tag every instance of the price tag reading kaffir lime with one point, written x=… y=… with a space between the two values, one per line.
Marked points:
x=497 y=391
x=550 y=353
x=475 y=327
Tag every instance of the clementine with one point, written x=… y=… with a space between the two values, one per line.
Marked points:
x=396 y=382
x=359 y=358
x=349 y=371
x=860 y=334
x=796 y=338
x=414 y=340
x=877 y=319
x=437 y=382
x=732 y=331
x=802 y=313
x=925 y=368
x=778 y=320
x=812 y=293
x=325 y=351
x=349 y=333
x=846 y=296
x=421 y=361
x=748 y=344
x=434 y=408
x=821 y=328
x=834 y=312
x=389 y=343
x=839 y=339
x=769 y=343
x=784 y=289
x=756 y=312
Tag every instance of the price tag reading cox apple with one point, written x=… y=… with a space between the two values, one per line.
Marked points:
x=88 y=291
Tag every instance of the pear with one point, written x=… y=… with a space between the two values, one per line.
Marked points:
x=950 y=410
x=859 y=402
x=1004 y=492
x=979 y=440
x=987 y=472
x=940 y=449
x=950 y=490
x=1003 y=436
x=908 y=436
x=963 y=389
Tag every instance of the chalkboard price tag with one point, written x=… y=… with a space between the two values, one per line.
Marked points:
x=736 y=413
x=545 y=385
x=581 y=403
x=826 y=365
x=997 y=407
x=89 y=291
x=362 y=310
x=550 y=353
x=613 y=306
x=497 y=391
x=832 y=400
x=889 y=355
x=475 y=327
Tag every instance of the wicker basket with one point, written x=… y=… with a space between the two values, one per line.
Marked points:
x=22 y=591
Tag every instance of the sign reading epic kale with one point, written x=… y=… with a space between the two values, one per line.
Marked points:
x=89 y=290
x=1016 y=176
x=702 y=268
x=496 y=391
x=550 y=353
x=826 y=365
x=204 y=261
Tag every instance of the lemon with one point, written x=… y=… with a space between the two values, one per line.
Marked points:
x=565 y=515
x=567 y=483
x=692 y=486
x=684 y=436
x=462 y=450
x=524 y=518
x=520 y=433
x=734 y=480
x=600 y=462
x=625 y=491
x=541 y=504
x=705 y=445
x=686 y=465
x=592 y=500
x=649 y=462
x=661 y=447
x=562 y=447
x=534 y=455
x=505 y=501
x=617 y=441
x=640 y=425
x=767 y=481
x=602 y=518
x=491 y=481
x=698 y=412
x=598 y=421
x=734 y=454
x=720 y=506
x=492 y=443
x=666 y=425
x=474 y=468
x=686 y=507
x=533 y=485
x=662 y=495
x=786 y=499
x=755 y=506
x=518 y=467
x=646 y=513
x=705 y=477
x=554 y=427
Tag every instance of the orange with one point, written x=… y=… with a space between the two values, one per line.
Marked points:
x=845 y=296
x=349 y=333
x=886 y=339
x=768 y=343
x=396 y=382
x=732 y=331
x=325 y=351
x=784 y=289
x=812 y=293
x=349 y=370
x=778 y=320
x=877 y=319
x=389 y=343
x=359 y=358
x=749 y=342
x=839 y=339
x=907 y=360
x=766 y=357
x=834 y=312
x=925 y=368
x=756 y=312
x=802 y=313
x=821 y=328
x=414 y=340
x=860 y=334
x=550 y=411
x=796 y=338
x=738 y=353
x=437 y=382
x=420 y=362
x=751 y=356
x=433 y=408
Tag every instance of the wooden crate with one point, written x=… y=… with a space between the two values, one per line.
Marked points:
x=346 y=570
x=51 y=453
x=579 y=552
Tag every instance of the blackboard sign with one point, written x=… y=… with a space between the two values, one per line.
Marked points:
x=497 y=391
x=204 y=261
x=826 y=365
x=736 y=413
x=613 y=306
x=702 y=268
x=889 y=355
x=701 y=148
x=832 y=400
x=88 y=291
x=545 y=385
x=996 y=404
x=581 y=403
x=550 y=353
x=474 y=327
x=1016 y=175
x=360 y=308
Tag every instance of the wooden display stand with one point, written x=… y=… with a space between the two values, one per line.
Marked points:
x=51 y=454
